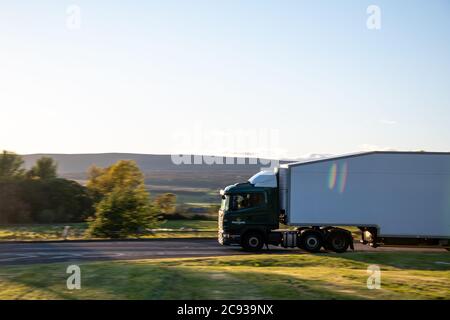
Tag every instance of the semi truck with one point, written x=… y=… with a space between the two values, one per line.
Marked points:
x=393 y=198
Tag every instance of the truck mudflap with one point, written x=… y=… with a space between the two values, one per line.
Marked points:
x=350 y=239
x=351 y=244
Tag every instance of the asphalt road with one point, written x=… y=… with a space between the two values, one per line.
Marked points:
x=28 y=253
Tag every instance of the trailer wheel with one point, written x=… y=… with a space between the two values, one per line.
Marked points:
x=311 y=241
x=252 y=241
x=337 y=241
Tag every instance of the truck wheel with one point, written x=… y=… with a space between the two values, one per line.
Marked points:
x=338 y=241
x=252 y=241
x=311 y=241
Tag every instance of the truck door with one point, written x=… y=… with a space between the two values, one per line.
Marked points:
x=250 y=208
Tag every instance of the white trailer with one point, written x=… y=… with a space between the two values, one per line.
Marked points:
x=390 y=194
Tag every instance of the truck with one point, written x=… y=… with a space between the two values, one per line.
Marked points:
x=393 y=198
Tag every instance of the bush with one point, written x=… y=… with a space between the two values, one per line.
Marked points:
x=121 y=214
x=39 y=196
x=13 y=209
x=57 y=200
x=123 y=206
x=43 y=201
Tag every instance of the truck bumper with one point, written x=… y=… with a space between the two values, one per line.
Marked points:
x=228 y=239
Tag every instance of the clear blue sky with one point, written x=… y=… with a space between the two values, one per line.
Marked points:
x=138 y=74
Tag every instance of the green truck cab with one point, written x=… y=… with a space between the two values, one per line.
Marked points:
x=249 y=213
x=250 y=217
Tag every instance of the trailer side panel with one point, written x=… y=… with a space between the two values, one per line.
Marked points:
x=402 y=194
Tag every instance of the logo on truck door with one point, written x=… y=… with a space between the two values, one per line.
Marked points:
x=238 y=221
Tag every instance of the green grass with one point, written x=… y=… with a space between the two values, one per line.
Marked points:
x=207 y=228
x=404 y=275
x=210 y=225
x=188 y=195
x=77 y=230
x=41 y=231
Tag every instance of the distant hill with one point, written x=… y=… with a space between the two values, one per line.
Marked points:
x=78 y=163
x=161 y=173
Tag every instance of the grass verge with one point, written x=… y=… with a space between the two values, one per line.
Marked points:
x=404 y=275
x=34 y=232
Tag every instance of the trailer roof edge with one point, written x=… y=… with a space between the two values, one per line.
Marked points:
x=364 y=153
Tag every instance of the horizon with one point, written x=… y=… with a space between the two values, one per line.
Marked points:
x=306 y=156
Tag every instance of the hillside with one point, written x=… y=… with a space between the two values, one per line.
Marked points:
x=78 y=163
x=191 y=182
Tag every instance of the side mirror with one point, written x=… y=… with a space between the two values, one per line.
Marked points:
x=223 y=197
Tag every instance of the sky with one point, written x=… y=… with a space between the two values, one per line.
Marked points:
x=267 y=78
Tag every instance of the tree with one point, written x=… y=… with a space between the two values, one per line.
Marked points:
x=13 y=209
x=11 y=165
x=45 y=169
x=124 y=206
x=122 y=174
x=44 y=197
x=57 y=200
x=166 y=203
x=95 y=183
x=44 y=201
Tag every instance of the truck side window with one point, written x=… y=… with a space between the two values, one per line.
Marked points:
x=247 y=200
x=257 y=199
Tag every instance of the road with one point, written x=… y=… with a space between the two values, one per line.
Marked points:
x=27 y=253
